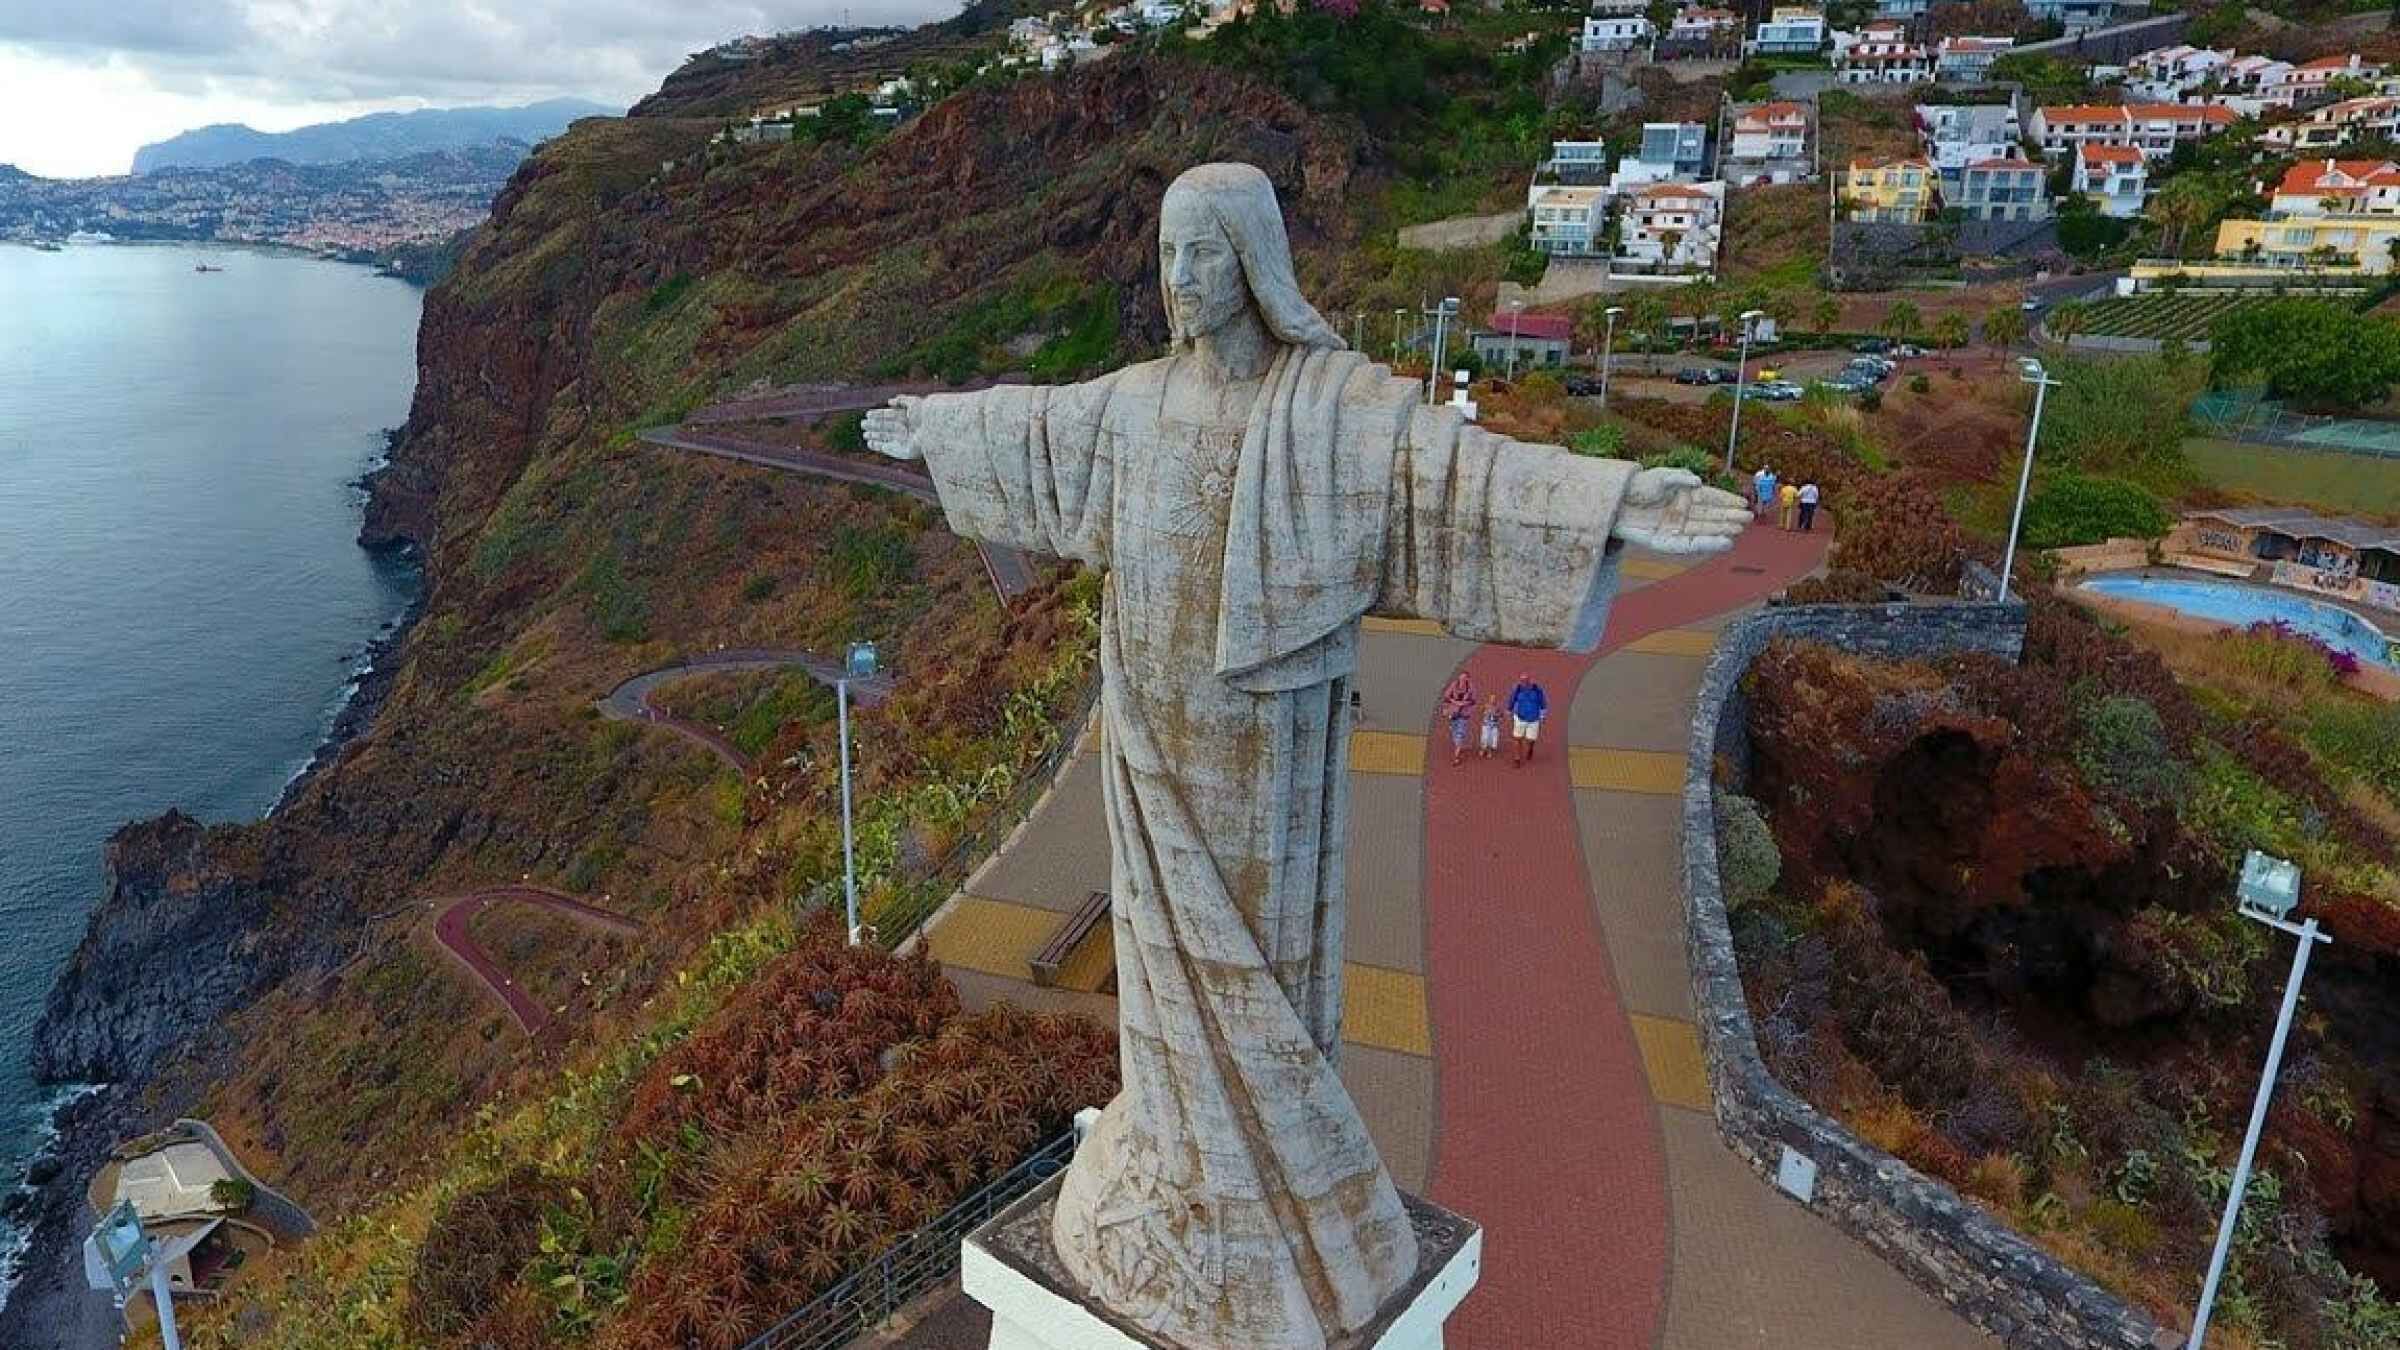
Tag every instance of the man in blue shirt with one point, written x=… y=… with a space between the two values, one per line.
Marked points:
x=1526 y=704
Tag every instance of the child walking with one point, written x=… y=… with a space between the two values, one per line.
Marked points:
x=1491 y=726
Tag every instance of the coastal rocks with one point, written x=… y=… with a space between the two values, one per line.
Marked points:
x=176 y=940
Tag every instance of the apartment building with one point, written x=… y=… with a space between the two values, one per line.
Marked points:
x=2152 y=128
x=1956 y=135
x=1576 y=163
x=2338 y=124
x=1789 y=30
x=2115 y=177
x=1896 y=191
x=2001 y=189
x=1882 y=54
x=1670 y=152
x=1967 y=59
x=2332 y=187
x=1701 y=23
x=1616 y=32
x=1569 y=221
x=2082 y=16
x=1672 y=227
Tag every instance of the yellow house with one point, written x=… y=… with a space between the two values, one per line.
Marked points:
x=2336 y=243
x=1899 y=190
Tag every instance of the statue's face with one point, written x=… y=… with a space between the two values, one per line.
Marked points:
x=1204 y=284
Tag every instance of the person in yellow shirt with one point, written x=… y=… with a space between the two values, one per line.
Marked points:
x=1787 y=505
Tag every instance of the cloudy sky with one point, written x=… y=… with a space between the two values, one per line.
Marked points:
x=83 y=83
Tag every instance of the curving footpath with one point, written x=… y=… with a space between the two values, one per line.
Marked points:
x=630 y=701
x=1010 y=573
x=450 y=930
x=1517 y=1022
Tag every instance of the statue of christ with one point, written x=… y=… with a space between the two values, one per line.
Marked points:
x=1252 y=495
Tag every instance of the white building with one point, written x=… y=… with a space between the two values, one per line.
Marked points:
x=1881 y=54
x=1789 y=30
x=1616 y=32
x=1968 y=59
x=1569 y=221
x=1672 y=227
x=1700 y=23
x=1771 y=133
x=1573 y=163
x=2169 y=73
x=2115 y=177
x=2153 y=128
x=1670 y=152
x=2082 y=16
x=2338 y=124
x=2001 y=189
x=2331 y=187
x=1959 y=134
x=1902 y=9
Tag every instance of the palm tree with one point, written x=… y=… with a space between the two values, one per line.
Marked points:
x=1591 y=323
x=1783 y=307
x=2004 y=327
x=1647 y=315
x=2067 y=320
x=1824 y=312
x=1950 y=330
x=1902 y=320
x=2182 y=202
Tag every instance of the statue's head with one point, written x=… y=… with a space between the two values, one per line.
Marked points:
x=1222 y=250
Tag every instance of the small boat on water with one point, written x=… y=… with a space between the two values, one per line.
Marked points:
x=204 y=267
x=48 y=246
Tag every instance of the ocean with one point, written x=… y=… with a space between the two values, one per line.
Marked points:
x=183 y=603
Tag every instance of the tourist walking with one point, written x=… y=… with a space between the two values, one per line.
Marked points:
x=1491 y=726
x=1808 y=507
x=1458 y=708
x=1763 y=484
x=1787 y=502
x=1526 y=704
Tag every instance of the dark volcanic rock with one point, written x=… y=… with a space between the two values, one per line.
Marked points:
x=176 y=941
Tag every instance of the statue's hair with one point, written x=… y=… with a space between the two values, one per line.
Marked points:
x=1243 y=202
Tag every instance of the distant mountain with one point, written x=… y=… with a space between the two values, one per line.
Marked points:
x=375 y=136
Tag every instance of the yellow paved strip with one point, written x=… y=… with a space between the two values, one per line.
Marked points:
x=993 y=936
x=1385 y=1008
x=1650 y=771
x=1672 y=1060
x=1650 y=570
x=1412 y=627
x=1381 y=1007
x=1676 y=642
x=1391 y=752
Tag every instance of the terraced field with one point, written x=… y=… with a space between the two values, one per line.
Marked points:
x=2186 y=315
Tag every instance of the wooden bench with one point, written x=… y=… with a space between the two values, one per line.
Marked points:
x=1068 y=936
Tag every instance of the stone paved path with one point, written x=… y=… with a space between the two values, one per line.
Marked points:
x=1522 y=1043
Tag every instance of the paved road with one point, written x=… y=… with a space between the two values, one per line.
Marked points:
x=450 y=929
x=630 y=701
x=1011 y=573
x=807 y=402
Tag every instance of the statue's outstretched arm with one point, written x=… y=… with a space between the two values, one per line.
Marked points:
x=1023 y=465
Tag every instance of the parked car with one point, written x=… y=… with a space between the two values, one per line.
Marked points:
x=1582 y=386
x=2032 y=303
x=1908 y=351
x=1703 y=375
x=1779 y=391
x=1875 y=345
x=1874 y=368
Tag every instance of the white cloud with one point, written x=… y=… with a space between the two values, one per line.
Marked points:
x=84 y=84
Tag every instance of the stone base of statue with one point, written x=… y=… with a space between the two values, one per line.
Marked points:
x=1009 y=1266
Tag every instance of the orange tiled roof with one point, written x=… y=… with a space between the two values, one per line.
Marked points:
x=2109 y=154
x=2309 y=174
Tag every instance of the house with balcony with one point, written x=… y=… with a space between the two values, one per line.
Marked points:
x=2155 y=129
x=1616 y=32
x=2001 y=189
x=2312 y=82
x=1569 y=222
x=2169 y=73
x=1769 y=143
x=2115 y=177
x=1788 y=30
x=2337 y=124
x=1576 y=163
x=1967 y=59
x=1671 y=227
x=1958 y=134
x=2331 y=187
x=2332 y=243
x=1906 y=11
x=1670 y=152
x=1881 y=54
x=1890 y=191
x=1704 y=26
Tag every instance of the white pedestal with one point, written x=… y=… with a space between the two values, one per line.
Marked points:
x=1007 y=1266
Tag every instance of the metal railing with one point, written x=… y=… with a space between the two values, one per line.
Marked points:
x=917 y=1262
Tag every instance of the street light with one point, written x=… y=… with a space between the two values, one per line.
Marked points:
x=2032 y=373
x=1741 y=368
x=1608 y=342
x=1397 y=316
x=120 y=1255
x=1516 y=308
x=860 y=665
x=2268 y=892
x=1441 y=315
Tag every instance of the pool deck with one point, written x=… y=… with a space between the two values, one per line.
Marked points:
x=2383 y=621
x=2380 y=681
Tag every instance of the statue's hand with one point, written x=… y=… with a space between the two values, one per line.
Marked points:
x=891 y=431
x=1672 y=511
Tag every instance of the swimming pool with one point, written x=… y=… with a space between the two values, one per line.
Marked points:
x=2242 y=606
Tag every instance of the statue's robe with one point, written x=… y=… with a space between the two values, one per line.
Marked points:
x=1246 y=527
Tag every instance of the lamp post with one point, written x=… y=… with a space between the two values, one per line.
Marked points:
x=859 y=665
x=1516 y=309
x=1741 y=370
x=1397 y=316
x=1441 y=315
x=1608 y=342
x=2039 y=378
x=2268 y=892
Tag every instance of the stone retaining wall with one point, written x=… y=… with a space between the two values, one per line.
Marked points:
x=1978 y=1266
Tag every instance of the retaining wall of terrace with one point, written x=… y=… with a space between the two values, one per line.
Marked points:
x=1975 y=1264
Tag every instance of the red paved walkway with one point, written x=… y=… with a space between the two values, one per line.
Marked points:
x=450 y=929
x=1547 y=1132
